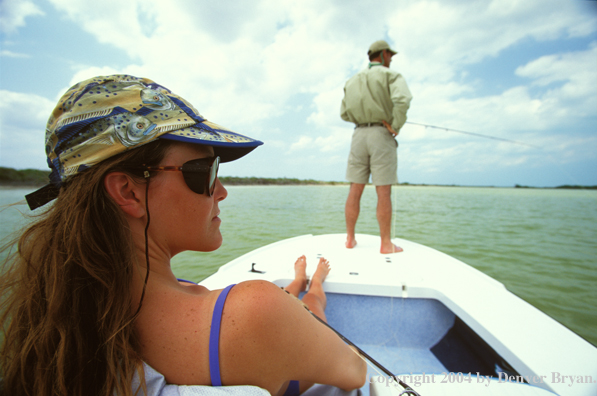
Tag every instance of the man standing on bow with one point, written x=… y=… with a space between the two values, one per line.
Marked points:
x=375 y=100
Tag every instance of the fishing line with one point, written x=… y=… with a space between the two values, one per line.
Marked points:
x=394 y=210
x=474 y=134
x=368 y=363
x=550 y=157
x=407 y=389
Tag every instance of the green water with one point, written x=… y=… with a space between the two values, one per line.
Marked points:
x=542 y=244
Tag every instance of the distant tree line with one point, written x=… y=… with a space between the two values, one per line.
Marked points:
x=262 y=181
x=36 y=177
x=565 y=186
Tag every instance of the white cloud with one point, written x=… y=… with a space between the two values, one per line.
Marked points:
x=327 y=108
x=442 y=97
x=23 y=119
x=439 y=40
x=249 y=60
x=576 y=73
x=304 y=142
x=14 y=12
x=560 y=67
x=522 y=108
x=439 y=37
x=10 y=54
x=274 y=69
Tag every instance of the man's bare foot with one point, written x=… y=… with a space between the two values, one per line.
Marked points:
x=322 y=271
x=392 y=249
x=350 y=243
x=300 y=272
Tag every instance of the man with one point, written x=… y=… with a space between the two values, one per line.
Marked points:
x=375 y=100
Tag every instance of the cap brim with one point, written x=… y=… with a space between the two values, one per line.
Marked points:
x=227 y=144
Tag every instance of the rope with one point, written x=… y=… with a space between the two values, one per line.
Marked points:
x=146 y=245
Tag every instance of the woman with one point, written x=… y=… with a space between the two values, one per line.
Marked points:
x=90 y=303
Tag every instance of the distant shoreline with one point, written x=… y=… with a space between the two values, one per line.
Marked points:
x=10 y=177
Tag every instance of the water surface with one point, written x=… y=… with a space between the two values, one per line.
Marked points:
x=540 y=243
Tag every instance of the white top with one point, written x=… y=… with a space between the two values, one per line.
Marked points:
x=157 y=386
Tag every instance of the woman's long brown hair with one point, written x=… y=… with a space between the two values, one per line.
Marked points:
x=66 y=305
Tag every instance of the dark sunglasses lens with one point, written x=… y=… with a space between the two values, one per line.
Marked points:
x=200 y=175
x=195 y=181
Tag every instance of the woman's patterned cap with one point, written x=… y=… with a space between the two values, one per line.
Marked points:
x=104 y=116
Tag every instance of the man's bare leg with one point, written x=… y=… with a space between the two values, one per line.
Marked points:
x=351 y=212
x=299 y=284
x=315 y=298
x=384 y=218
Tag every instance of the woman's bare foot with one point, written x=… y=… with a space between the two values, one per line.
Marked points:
x=322 y=271
x=315 y=297
x=299 y=283
x=300 y=272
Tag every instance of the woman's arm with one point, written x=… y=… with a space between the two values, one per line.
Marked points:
x=268 y=337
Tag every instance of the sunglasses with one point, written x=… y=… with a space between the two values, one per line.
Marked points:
x=200 y=175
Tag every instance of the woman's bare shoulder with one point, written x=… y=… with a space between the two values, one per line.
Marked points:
x=173 y=331
x=259 y=302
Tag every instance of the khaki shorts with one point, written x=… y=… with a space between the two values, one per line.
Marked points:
x=373 y=151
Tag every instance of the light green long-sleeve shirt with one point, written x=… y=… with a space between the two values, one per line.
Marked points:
x=375 y=94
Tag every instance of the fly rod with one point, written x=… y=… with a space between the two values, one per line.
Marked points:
x=473 y=134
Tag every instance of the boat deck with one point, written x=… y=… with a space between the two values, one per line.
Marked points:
x=404 y=336
x=403 y=308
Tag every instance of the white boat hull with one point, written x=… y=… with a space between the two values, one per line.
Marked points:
x=424 y=312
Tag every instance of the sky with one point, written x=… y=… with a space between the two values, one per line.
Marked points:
x=521 y=73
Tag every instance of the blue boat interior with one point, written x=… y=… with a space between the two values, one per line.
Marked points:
x=411 y=336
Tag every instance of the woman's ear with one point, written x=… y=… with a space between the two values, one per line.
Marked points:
x=127 y=194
